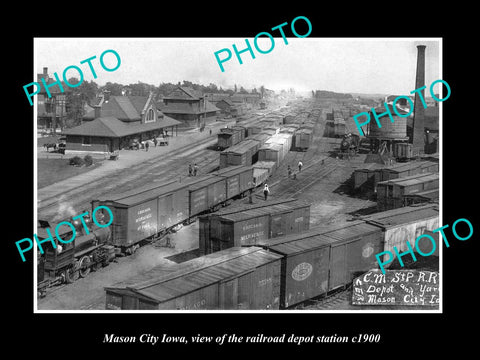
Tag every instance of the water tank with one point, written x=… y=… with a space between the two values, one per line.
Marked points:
x=389 y=130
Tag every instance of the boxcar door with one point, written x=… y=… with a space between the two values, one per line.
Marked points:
x=278 y=225
x=228 y=294
x=338 y=271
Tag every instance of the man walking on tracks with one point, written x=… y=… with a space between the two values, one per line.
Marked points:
x=289 y=170
x=266 y=192
x=300 y=164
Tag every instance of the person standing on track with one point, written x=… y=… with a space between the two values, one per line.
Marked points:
x=300 y=164
x=195 y=169
x=266 y=191
x=289 y=170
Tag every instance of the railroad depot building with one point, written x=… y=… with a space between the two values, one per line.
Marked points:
x=189 y=107
x=115 y=122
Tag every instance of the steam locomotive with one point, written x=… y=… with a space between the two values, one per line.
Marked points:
x=350 y=144
x=66 y=262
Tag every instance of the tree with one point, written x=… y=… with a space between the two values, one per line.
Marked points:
x=235 y=88
x=242 y=90
x=76 y=99
x=114 y=88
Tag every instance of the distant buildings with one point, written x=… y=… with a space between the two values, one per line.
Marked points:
x=50 y=111
x=189 y=107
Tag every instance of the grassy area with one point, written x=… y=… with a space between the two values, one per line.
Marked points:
x=53 y=170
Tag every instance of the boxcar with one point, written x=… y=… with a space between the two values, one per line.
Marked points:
x=241 y=154
x=236 y=278
x=206 y=194
x=222 y=231
x=272 y=153
x=303 y=139
x=140 y=215
x=228 y=137
x=261 y=138
x=402 y=170
x=324 y=258
x=239 y=179
x=391 y=193
x=405 y=224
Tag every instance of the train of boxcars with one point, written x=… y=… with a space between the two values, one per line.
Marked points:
x=275 y=273
x=150 y=212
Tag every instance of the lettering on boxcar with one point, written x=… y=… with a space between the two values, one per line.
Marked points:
x=299 y=219
x=302 y=271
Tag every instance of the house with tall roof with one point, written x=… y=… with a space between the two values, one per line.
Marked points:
x=115 y=122
x=50 y=110
x=188 y=106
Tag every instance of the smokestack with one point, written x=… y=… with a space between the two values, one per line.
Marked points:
x=419 y=112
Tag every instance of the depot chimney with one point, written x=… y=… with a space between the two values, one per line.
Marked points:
x=419 y=112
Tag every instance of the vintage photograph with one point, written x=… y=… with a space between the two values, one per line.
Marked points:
x=269 y=174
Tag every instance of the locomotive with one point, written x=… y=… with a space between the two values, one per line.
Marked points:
x=66 y=262
x=350 y=144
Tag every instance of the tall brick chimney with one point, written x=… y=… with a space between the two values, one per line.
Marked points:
x=419 y=111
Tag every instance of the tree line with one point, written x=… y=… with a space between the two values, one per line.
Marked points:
x=86 y=93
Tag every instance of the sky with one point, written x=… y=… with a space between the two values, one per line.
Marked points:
x=348 y=65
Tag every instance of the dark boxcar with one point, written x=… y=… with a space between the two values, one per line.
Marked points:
x=204 y=220
x=240 y=154
x=242 y=130
x=353 y=251
x=401 y=170
x=305 y=266
x=239 y=179
x=228 y=137
x=237 y=278
x=303 y=139
x=250 y=226
x=391 y=193
x=206 y=194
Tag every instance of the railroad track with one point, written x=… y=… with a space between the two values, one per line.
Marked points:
x=170 y=167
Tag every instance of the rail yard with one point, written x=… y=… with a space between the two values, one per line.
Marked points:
x=195 y=228
x=324 y=190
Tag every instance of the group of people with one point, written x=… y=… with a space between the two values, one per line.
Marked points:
x=266 y=190
x=290 y=171
x=192 y=170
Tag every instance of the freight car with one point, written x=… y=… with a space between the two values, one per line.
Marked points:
x=228 y=137
x=303 y=139
x=236 y=278
x=392 y=194
x=241 y=154
x=66 y=262
x=150 y=214
x=303 y=266
x=323 y=259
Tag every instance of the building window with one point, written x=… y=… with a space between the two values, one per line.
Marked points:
x=150 y=116
x=86 y=140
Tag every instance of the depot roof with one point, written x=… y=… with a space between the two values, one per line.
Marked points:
x=113 y=127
